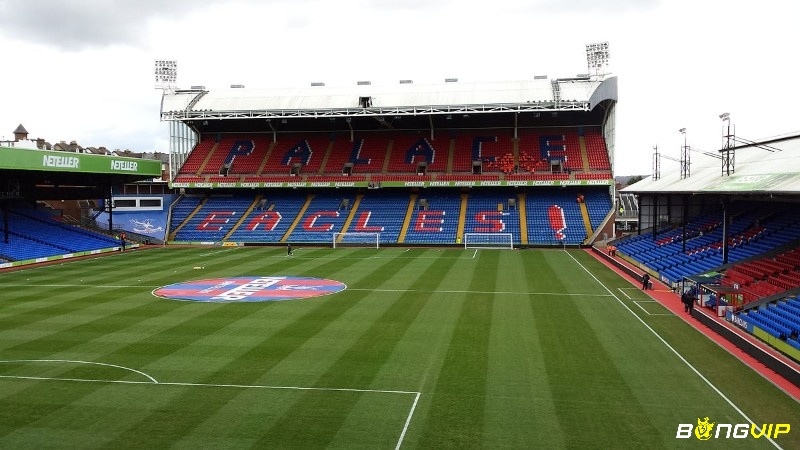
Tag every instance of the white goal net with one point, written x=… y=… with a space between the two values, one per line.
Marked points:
x=503 y=241
x=356 y=240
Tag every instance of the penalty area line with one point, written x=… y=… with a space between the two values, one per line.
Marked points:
x=406 y=424
x=212 y=385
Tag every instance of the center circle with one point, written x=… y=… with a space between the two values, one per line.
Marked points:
x=250 y=289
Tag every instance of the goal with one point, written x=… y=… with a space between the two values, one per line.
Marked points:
x=356 y=240
x=502 y=241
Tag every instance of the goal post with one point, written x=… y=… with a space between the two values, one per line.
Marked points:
x=501 y=241
x=356 y=240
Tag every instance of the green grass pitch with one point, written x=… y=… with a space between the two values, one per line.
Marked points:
x=426 y=348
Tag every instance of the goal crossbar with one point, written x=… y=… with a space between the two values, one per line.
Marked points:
x=501 y=241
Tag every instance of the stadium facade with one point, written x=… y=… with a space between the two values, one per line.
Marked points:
x=429 y=153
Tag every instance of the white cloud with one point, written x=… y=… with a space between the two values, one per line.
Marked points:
x=83 y=69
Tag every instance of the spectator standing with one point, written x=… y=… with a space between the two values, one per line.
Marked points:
x=686 y=299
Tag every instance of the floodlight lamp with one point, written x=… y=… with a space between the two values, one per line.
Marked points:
x=682 y=130
x=597 y=55
x=725 y=116
x=166 y=73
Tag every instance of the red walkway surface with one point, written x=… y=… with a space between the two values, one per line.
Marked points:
x=671 y=300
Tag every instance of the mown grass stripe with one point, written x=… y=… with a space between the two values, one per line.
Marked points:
x=250 y=365
x=62 y=342
x=519 y=408
x=525 y=397
x=584 y=382
x=359 y=364
x=463 y=377
x=75 y=320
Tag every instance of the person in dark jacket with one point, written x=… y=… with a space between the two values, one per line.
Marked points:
x=646 y=281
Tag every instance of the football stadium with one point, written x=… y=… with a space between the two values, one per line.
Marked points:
x=412 y=265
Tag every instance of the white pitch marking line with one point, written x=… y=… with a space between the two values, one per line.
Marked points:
x=622 y=290
x=289 y=388
x=98 y=286
x=408 y=422
x=240 y=386
x=474 y=254
x=218 y=251
x=561 y=294
x=640 y=307
x=72 y=361
x=702 y=377
x=648 y=312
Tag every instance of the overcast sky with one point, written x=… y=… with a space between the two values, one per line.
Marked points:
x=83 y=69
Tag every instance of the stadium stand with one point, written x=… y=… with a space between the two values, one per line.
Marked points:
x=552 y=144
x=385 y=162
x=493 y=148
x=324 y=215
x=194 y=163
x=435 y=221
x=245 y=154
x=450 y=152
x=366 y=155
x=183 y=209
x=408 y=150
x=37 y=235
x=435 y=218
x=215 y=218
x=555 y=218
x=269 y=219
x=596 y=150
x=754 y=230
x=381 y=212
x=489 y=212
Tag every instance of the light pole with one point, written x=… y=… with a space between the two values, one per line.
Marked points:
x=728 y=151
x=685 y=159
